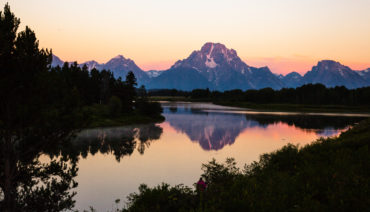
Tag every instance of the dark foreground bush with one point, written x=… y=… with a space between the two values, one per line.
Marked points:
x=329 y=175
x=162 y=198
x=149 y=108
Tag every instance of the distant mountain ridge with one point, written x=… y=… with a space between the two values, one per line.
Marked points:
x=119 y=66
x=216 y=67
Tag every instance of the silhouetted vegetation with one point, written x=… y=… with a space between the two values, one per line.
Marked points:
x=310 y=94
x=34 y=114
x=168 y=92
x=330 y=174
x=43 y=107
x=109 y=101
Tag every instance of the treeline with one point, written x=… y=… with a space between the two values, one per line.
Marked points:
x=315 y=94
x=104 y=94
x=331 y=174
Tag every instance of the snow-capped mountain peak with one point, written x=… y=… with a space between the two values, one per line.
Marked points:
x=218 y=52
x=213 y=56
x=223 y=68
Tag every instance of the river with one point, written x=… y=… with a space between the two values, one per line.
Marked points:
x=115 y=161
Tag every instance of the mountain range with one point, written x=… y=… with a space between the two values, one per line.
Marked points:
x=218 y=68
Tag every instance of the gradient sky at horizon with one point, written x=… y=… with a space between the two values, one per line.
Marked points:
x=286 y=35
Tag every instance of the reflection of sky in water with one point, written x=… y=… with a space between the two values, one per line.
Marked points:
x=214 y=126
x=188 y=138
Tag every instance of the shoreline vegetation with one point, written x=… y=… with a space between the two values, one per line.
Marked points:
x=307 y=98
x=98 y=120
x=330 y=174
x=102 y=100
x=271 y=107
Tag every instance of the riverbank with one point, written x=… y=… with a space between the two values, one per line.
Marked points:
x=127 y=119
x=271 y=107
x=99 y=117
x=330 y=174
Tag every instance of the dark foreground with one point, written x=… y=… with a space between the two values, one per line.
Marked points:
x=328 y=175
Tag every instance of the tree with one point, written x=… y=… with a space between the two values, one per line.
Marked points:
x=129 y=92
x=33 y=116
x=131 y=79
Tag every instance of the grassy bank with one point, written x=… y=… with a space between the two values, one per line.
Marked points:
x=330 y=174
x=99 y=116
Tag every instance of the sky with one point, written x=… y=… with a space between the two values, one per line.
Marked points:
x=285 y=35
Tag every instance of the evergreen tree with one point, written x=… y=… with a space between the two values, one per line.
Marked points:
x=130 y=92
x=131 y=79
x=33 y=116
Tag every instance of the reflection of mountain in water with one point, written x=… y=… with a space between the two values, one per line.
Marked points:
x=214 y=130
x=119 y=141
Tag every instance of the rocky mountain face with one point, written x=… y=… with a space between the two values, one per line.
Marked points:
x=92 y=64
x=218 y=68
x=120 y=66
x=185 y=79
x=331 y=74
x=365 y=74
x=223 y=70
x=292 y=80
x=56 y=61
x=154 y=73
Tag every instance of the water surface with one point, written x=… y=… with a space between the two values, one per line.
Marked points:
x=115 y=161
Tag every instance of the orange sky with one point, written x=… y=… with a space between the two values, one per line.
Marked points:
x=285 y=35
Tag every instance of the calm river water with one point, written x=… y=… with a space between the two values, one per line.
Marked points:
x=115 y=161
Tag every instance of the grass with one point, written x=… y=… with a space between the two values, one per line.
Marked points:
x=99 y=117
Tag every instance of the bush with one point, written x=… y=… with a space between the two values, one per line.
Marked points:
x=162 y=198
x=149 y=108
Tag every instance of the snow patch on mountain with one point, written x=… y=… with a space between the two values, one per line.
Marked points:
x=210 y=63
